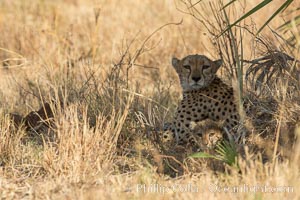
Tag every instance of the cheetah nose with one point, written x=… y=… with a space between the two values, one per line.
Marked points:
x=196 y=79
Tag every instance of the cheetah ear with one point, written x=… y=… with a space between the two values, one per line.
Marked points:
x=175 y=62
x=218 y=64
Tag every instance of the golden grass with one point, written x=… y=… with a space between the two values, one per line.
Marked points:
x=71 y=51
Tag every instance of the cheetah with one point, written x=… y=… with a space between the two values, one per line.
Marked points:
x=207 y=133
x=35 y=119
x=205 y=96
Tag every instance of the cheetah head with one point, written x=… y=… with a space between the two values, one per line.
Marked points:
x=195 y=71
x=209 y=131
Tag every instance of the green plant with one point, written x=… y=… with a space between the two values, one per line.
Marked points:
x=256 y=9
x=226 y=151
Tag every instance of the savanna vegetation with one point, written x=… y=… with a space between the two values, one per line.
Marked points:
x=87 y=86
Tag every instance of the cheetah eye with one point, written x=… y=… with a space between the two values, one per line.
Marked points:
x=187 y=67
x=205 y=67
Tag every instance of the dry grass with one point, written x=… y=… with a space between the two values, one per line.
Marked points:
x=104 y=67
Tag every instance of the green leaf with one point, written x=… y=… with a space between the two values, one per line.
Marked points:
x=226 y=151
x=288 y=24
x=280 y=9
x=202 y=155
x=253 y=10
x=221 y=150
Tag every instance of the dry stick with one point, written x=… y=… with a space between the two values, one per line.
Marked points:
x=12 y=52
x=277 y=138
x=296 y=154
x=174 y=159
x=222 y=40
x=279 y=123
x=149 y=99
x=183 y=40
x=141 y=48
x=239 y=66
